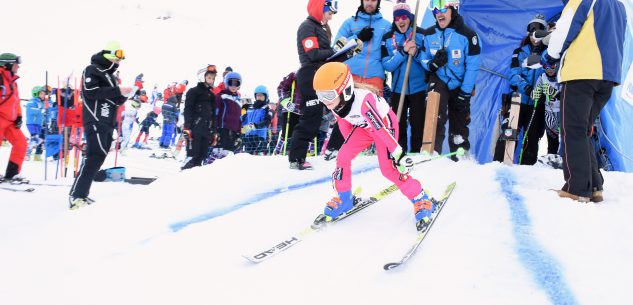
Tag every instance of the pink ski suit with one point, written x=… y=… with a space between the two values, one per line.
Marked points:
x=370 y=120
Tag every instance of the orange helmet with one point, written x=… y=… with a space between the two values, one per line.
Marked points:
x=333 y=79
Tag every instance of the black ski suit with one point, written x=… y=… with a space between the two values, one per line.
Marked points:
x=102 y=97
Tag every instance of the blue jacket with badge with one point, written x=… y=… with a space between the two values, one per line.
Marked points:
x=367 y=63
x=523 y=77
x=35 y=112
x=394 y=60
x=463 y=47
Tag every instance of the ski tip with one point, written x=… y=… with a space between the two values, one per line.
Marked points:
x=390 y=266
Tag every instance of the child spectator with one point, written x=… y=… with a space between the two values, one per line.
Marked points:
x=229 y=108
x=255 y=122
x=35 y=121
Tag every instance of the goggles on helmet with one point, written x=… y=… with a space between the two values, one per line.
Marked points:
x=16 y=60
x=212 y=69
x=441 y=6
x=328 y=95
x=332 y=6
x=117 y=53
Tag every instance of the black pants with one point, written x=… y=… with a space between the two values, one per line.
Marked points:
x=413 y=113
x=581 y=103
x=532 y=133
x=291 y=121
x=200 y=141
x=311 y=117
x=98 y=142
x=458 y=119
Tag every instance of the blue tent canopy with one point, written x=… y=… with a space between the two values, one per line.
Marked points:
x=501 y=25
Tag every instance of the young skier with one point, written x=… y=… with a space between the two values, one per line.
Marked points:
x=365 y=118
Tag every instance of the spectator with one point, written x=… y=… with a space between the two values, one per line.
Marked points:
x=11 y=115
x=35 y=121
x=397 y=46
x=229 y=108
x=256 y=121
x=290 y=102
x=200 y=125
x=523 y=80
x=590 y=36
x=454 y=64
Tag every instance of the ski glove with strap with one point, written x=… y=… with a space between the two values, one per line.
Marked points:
x=403 y=163
x=439 y=60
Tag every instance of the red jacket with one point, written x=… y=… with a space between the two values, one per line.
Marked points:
x=9 y=97
x=180 y=88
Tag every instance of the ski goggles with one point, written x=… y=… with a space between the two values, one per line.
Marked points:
x=441 y=6
x=234 y=82
x=212 y=69
x=331 y=6
x=117 y=53
x=328 y=95
x=16 y=60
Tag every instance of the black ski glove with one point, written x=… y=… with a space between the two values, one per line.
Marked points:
x=463 y=101
x=366 y=34
x=18 y=122
x=439 y=60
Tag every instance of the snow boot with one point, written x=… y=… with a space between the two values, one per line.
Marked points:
x=339 y=205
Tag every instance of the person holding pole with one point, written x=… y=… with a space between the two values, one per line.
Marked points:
x=397 y=45
x=451 y=54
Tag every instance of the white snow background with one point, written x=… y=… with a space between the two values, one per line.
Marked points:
x=503 y=237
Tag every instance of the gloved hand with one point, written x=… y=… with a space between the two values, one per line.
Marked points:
x=439 y=60
x=403 y=163
x=247 y=128
x=366 y=34
x=339 y=44
x=548 y=62
x=288 y=104
x=528 y=90
x=18 y=122
x=463 y=100
x=536 y=93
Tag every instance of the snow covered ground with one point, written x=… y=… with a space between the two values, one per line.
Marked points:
x=503 y=238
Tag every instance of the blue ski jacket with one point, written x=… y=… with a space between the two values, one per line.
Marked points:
x=463 y=47
x=394 y=60
x=367 y=63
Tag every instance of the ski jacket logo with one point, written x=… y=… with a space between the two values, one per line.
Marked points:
x=105 y=110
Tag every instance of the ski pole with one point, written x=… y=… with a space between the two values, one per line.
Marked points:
x=292 y=99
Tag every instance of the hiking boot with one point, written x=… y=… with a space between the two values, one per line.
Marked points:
x=563 y=194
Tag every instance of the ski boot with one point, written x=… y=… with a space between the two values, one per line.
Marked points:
x=423 y=208
x=78 y=202
x=340 y=205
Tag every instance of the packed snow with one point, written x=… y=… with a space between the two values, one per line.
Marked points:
x=503 y=238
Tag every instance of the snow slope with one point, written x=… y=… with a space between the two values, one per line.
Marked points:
x=503 y=238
